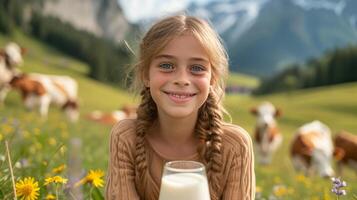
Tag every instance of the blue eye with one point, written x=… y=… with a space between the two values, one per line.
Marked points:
x=197 y=68
x=166 y=66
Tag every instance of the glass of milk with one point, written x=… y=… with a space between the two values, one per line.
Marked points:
x=184 y=180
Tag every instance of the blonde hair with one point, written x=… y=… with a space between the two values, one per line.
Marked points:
x=208 y=126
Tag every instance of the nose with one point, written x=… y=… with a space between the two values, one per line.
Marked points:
x=181 y=78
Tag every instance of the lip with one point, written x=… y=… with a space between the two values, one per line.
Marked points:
x=179 y=97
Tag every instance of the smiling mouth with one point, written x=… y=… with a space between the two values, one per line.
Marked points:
x=180 y=95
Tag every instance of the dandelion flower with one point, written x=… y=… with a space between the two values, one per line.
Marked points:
x=27 y=189
x=59 y=169
x=55 y=179
x=50 y=197
x=280 y=190
x=94 y=177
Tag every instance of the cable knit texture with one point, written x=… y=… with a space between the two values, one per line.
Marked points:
x=125 y=181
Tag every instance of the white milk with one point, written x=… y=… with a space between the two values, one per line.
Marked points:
x=184 y=186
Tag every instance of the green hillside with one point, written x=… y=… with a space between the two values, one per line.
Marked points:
x=43 y=59
x=242 y=80
x=47 y=144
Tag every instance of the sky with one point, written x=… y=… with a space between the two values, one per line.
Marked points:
x=135 y=10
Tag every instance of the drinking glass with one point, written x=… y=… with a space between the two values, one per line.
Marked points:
x=184 y=180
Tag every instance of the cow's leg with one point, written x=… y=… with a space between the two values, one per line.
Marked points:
x=3 y=92
x=339 y=168
x=264 y=157
x=30 y=102
x=353 y=164
x=299 y=164
x=44 y=105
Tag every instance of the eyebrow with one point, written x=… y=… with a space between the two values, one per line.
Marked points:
x=173 y=57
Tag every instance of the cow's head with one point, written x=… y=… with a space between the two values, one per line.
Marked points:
x=13 y=54
x=322 y=162
x=266 y=114
x=71 y=108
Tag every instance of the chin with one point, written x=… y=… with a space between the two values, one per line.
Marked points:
x=179 y=113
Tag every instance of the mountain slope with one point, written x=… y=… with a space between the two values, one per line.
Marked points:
x=262 y=36
x=102 y=18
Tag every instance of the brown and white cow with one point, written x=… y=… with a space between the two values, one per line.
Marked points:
x=267 y=135
x=42 y=90
x=126 y=112
x=345 y=150
x=10 y=59
x=312 y=149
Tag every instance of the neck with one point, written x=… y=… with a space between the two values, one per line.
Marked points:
x=176 y=131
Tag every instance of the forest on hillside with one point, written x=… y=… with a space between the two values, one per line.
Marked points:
x=335 y=67
x=108 y=61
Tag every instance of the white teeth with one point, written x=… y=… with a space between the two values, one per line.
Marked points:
x=181 y=96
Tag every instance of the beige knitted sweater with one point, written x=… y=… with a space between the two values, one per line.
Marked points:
x=237 y=176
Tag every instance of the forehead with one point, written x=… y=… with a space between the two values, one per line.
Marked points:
x=185 y=46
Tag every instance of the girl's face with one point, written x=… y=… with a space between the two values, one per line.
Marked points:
x=179 y=78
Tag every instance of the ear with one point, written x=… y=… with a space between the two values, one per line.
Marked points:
x=338 y=153
x=278 y=112
x=254 y=111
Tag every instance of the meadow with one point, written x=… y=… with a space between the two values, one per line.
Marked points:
x=39 y=147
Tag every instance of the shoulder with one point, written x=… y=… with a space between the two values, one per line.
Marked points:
x=124 y=131
x=235 y=138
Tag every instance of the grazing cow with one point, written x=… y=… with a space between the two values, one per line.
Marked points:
x=267 y=135
x=345 y=150
x=312 y=149
x=10 y=58
x=127 y=112
x=41 y=90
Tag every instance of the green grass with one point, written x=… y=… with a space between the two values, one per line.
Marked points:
x=38 y=141
x=242 y=80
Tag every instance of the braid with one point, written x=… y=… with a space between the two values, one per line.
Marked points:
x=208 y=128
x=146 y=115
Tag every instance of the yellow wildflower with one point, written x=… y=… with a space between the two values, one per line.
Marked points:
x=50 y=197
x=258 y=189
x=52 y=141
x=59 y=169
x=94 y=177
x=280 y=190
x=7 y=129
x=27 y=189
x=1 y=137
x=55 y=179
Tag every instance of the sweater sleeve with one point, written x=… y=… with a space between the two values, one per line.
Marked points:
x=121 y=172
x=241 y=181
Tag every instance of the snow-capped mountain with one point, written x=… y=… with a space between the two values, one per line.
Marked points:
x=262 y=36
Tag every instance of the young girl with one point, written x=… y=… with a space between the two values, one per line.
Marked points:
x=179 y=74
